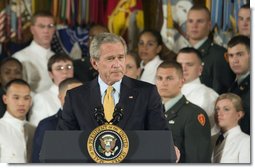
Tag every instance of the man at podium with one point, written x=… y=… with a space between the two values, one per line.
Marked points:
x=115 y=98
x=140 y=102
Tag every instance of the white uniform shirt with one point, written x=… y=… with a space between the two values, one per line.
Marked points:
x=12 y=140
x=45 y=104
x=150 y=69
x=34 y=59
x=235 y=148
x=202 y=96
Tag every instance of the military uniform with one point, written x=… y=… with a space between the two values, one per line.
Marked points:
x=191 y=131
x=243 y=90
x=216 y=72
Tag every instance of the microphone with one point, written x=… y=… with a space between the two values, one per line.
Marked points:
x=99 y=115
x=117 y=114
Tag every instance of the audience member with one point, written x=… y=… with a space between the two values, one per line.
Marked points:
x=149 y=47
x=193 y=89
x=10 y=68
x=16 y=133
x=239 y=58
x=231 y=145
x=132 y=65
x=46 y=103
x=34 y=58
x=244 y=20
x=189 y=123
x=198 y=29
x=50 y=123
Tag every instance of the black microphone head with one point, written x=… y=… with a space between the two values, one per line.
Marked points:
x=99 y=115
x=117 y=114
x=99 y=109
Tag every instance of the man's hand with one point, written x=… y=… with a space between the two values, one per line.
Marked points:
x=178 y=154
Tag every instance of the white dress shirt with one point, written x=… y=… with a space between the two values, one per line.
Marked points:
x=12 y=140
x=150 y=69
x=115 y=94
x=235 y=147
x=34 y=59
x=45 y=104
x=202 y=96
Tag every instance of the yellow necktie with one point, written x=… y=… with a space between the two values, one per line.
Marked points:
x=108 y=104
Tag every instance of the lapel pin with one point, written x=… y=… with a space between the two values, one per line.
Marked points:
x=171 y=122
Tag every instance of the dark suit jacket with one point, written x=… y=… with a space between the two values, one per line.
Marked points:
x=49 y=123
x=140 y=101
x=216 y=73
x=243 y=90
x=191 y=137
x=83 y=70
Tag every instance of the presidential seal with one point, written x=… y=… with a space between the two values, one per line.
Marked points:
x=108 y=144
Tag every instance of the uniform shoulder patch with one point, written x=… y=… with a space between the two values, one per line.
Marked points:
x=201 y=119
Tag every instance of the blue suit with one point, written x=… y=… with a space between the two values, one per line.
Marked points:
x=140 y=101
x=49 y=123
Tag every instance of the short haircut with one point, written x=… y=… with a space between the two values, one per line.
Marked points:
x=154 y=33
x=104 y=38
x=9 y=59
x=172 y=64
x=41 y=13
x=57 y=58
x=64 y=84
x=245 y=6
x=235 y=99
x=240 y=39
x=16 y=81
x=189 y=50
x=201 y=7
x=135 y=56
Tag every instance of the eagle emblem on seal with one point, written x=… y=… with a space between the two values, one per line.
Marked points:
x=108 y=145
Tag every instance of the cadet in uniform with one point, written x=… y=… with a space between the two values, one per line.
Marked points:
x=216 y=72
x=189 y=123
x=239 y=61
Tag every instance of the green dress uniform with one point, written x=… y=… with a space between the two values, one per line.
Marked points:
x=191 y=131
x=216 y=72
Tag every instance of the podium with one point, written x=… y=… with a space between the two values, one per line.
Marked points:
x=144 y=147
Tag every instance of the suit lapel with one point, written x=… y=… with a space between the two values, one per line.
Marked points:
x=128 y=96
x=242 y=87
x=94 y=99
x=245 y=84
x=172 y=112
x=204 y=48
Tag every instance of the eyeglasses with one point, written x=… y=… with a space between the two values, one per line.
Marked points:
x=61 y=68
x=49 y=26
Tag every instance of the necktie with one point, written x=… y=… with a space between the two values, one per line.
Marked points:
x=220 y=139
x=108 y=104
x=218 y=149
x=28 y=140
x=164 y=109
x=141 y=73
